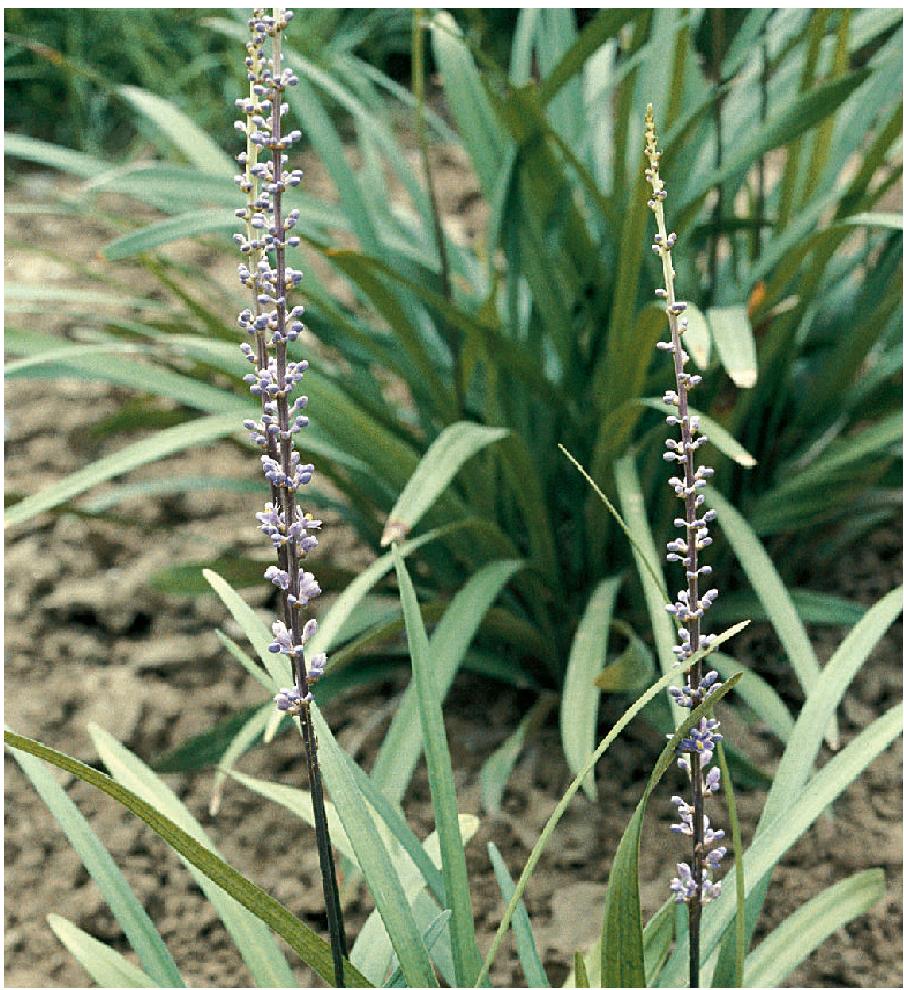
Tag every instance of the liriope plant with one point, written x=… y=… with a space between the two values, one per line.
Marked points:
x=425 y=922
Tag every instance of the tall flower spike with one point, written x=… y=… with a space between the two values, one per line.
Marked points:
x=271 y=325
x=694 y=883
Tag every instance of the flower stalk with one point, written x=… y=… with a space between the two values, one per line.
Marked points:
x=694 y=884
x=272 y=325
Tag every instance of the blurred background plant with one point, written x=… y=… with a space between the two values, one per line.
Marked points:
x=454 y=366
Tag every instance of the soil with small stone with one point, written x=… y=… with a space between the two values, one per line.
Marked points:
x=89 y=642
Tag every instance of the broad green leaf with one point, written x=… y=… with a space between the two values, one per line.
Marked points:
x=176 y=228
x=333 y=623
x=241 y=742
x=261 y=954
x=374 y=860
x=773 y=960
x=622 y=962
x=436 y=469
x=299 y=802
x=442 y=784
x=890 y=221
x=733 y=337
x=50 y=155
x=719 y=437
x=737 y=851
x=179 y=129
x=480 y=131
x=124 y=905
x=404 y=741
x=529 y=957
x=277 y=664
x=30 y=298
x=813 y=607
x=104 y=965
x=758 y=694
x=670 y=677
x=309 y=946
x=802 y=749
x=773 y=594
x=629 y=672
x=495 y=773
x=162 y=444
x=580 y=697
x=697 y=338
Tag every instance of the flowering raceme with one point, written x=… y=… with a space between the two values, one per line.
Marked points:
x=694 y=882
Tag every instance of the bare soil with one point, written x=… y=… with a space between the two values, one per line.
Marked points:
x=89 y=641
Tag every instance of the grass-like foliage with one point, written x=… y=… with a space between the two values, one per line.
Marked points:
x=781 y=132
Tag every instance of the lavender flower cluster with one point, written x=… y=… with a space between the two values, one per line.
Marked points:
x=271 y=325
x=694 y=882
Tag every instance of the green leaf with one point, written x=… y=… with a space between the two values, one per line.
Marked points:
x=758 y=695
x=330 y=627
x=631 y=671
x=719 y=437
x=261 y=954
x=435 y=470
x=162 y=444
x=580 y=971
x=127 y=910
x=451 y=640
x=180 y=129
x=737 y=851
x=534 y=973
x=793 y=119
x=622 y=962
x=814 y=607
x=442 y=784
x=299 y=802
x=774 y=596
x=733 y=337
x=495 y=773
x=104 y=965
x=309 y=946
x=773 y=960
x=580 y=698
x=697 y=337
x=474 y=118
x=374 y=860
x=52 y=155
x=566 y=799
x=155 y=235
x=254 y=628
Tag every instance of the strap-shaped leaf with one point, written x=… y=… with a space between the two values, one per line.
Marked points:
x=162 y=444
x=773 y=960
x=374 y=860
x=580 y=696
x=442 y=784
x=575 y=786
x=733 y=337
x=622 y=962
x=125 y=906
x=457 y=444
x=104 y=965
x=309 y=946
x=773 y=594
x=402 y=746
x=529 y=956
